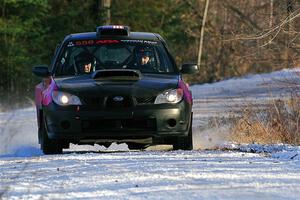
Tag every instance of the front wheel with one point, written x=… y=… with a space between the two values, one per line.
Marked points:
x=185 y=143
x=48 y=145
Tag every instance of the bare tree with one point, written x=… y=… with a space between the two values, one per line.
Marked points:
x=202 y=32
x=106 y=6
x=271 y=13
x=290 y=9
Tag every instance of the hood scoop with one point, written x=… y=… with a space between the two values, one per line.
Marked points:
x=117 y=74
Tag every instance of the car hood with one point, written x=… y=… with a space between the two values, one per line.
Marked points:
x=147 y=85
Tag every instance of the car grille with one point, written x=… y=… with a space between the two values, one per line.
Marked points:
x=145 y=100
x=94 y=101
x=127 y=101
x=119 y=125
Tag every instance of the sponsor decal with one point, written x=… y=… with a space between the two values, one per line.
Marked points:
x=139 y=41
x=107 y=41
x=91 y=42
x=100 y=42
x=84 y=42
x=71 y=44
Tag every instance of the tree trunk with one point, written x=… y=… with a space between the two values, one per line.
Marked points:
x=106 y=7
x=271 y=13
x=202 y=33
x=290 y=9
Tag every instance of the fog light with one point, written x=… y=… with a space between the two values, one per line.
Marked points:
x=172 y=122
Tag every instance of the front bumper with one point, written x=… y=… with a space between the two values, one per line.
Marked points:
x=89 y=123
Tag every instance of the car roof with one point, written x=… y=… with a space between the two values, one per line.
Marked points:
x=132 y=36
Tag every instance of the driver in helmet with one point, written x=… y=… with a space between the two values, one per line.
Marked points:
x=145 y=59
x=84 y=61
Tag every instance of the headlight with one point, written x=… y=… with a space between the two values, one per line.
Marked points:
x=171 y=96
x=63 y=98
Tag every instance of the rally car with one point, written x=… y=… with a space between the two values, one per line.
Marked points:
x=113 y=85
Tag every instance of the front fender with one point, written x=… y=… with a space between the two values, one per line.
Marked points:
x=43 y=96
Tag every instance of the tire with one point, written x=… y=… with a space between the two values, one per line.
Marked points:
x=185 y=143
x=136 y=146
x=48 y=146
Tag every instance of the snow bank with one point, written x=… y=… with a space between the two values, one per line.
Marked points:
x=18 y=132
x=279 y=151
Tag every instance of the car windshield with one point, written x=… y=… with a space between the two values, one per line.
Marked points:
x=86 y=56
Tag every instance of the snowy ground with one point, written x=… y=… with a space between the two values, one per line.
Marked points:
x=231 y=172
x=150 y=175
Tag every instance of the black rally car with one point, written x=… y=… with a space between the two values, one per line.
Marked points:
x=113 y=85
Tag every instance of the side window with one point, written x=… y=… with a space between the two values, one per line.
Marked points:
x=63 y=63
x=66 y=65
x=165 y=64
x=55 y=53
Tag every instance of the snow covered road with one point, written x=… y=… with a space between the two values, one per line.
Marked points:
x=150 y=175
x=117 y=173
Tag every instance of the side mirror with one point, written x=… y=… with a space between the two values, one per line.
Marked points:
x=189 y=69
x=41 y=71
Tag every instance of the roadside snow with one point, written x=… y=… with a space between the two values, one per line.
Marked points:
x=279 y=151
x=18 y=132
x=257 y=86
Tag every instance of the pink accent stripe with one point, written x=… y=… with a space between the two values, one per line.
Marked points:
x=187 y=94
x=47 y=93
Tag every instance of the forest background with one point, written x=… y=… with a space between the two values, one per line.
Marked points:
x=239 y=37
